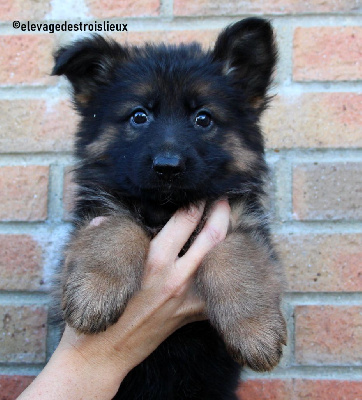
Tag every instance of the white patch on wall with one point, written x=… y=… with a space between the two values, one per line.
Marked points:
x=61 y=9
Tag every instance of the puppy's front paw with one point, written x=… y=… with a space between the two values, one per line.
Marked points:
x=242 y=284
x=91 y=302
x=257 y=342
x=103 y=268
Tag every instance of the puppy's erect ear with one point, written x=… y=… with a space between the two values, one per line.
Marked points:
x=248 y=53
x=88 y=64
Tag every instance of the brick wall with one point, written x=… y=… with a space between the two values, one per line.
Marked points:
x=314 y=139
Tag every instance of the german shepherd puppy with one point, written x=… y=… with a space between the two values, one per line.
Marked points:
x=164 y=127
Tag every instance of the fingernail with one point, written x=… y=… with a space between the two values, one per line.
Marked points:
x=197 y=208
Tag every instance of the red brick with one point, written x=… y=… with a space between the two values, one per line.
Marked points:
x=330 y=191
x=299 y=389
x=123 y=8
x=206 y=37
x=68 y=193
x=322 y=262
x=34 y=125
x=26 y=59
x=23 y=334
x=23 y=193
x=329 y=335
x=21 y=10
x=309 y=120
x=21 y=263
x=11 y=386
x=327 y=54
x=264 y=389
x=234 y=7
x=309 y=389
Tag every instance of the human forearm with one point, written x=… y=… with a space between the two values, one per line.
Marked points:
x=70 y=375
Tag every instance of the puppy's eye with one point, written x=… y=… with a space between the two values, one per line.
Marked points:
x=203 y=119
x=139 y=117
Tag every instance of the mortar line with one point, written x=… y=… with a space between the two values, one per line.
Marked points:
x=324 y=372
x=23 y=298
x=283 y=198
x=323 y=298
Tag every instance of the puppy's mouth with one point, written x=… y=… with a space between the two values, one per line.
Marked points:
x=170 y=187
x=172 y=193
x=170 y=182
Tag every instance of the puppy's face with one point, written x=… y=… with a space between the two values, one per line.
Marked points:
x=171 y=124
x=167 y=130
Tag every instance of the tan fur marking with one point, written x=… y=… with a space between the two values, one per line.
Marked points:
x=202 y=88
x=82 y=98
x=143 y=89
x=244 y=159
x=98 y=148
x=257 y=102
x=240 y=216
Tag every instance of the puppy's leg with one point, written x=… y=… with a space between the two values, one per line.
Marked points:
x=103 y=267
x=242 y=284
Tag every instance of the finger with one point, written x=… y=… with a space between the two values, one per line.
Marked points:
x=214 y=232
x=165 y=247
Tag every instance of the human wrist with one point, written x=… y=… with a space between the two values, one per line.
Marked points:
x=97 y=376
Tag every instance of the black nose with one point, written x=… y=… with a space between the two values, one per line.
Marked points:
x=168 y=166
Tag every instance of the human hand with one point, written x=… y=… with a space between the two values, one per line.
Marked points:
x=165 y=302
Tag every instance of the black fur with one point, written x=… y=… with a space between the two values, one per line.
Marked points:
x=171 y=84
